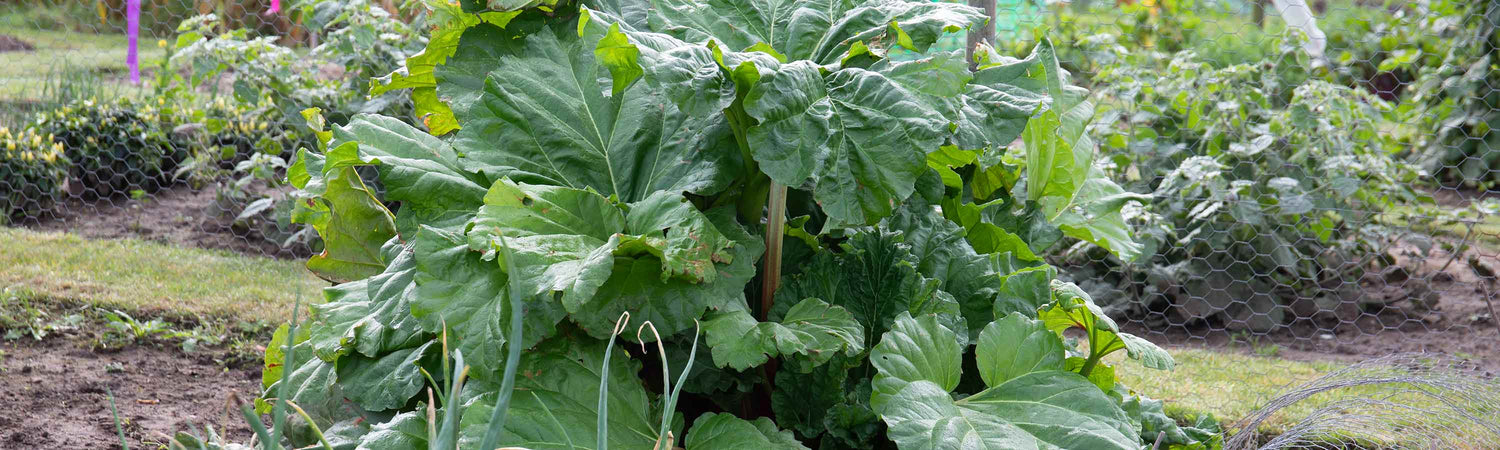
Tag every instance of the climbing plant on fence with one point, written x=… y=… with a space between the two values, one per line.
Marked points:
x=584 y=161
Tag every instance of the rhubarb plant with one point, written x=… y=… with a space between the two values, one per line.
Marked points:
x=762 y=171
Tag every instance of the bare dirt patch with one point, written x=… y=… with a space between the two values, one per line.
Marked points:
x=10 y=43
x=55 y=394
x=178 y=215
x=1422 y=303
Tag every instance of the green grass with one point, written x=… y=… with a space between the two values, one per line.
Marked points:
x=1486 y=230
x=162 y=279
x=103 y=55
x=1226 y=383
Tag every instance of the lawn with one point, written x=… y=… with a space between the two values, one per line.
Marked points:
x=1224 y=382
x=153 y=278
x=98 y=59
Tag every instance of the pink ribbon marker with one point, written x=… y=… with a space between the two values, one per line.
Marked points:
x=275 y=7
x=133 y=29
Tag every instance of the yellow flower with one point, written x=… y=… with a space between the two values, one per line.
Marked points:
x=57 y=147
x=26 y=156
x=162 y=43
x=51 y=158
x=10 y=145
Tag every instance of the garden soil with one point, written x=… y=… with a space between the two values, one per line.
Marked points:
x=1429 y=306
x=178 y=215
x=10 y=43
x=54 y=392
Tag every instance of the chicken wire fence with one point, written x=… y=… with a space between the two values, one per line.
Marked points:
x=1315 y=176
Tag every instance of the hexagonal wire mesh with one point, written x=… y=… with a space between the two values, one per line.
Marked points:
x=1319 y=180
x=195 y=151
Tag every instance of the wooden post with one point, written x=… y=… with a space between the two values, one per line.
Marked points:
x=985 y=33
x=1259 y=14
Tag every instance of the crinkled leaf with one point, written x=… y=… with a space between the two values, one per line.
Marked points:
x=725 y=431
x=549 y=102
x=942 y=253
x=1025 y=291
x=405 y=431
x=664 y=261
x=1095 y=216
x=672 y=305
x=458 y=289
x=801 y=401
x=874 y=279
x=671 y=228
x=813 y=331
x=808 y=30
x=369 y=316
x=384 y=382
x=860 y=139
x=351 y=221
x=312 y=387
x=555 y=405
x=561 y=239
x=413 y=165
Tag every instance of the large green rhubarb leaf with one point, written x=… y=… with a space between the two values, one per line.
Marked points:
x=564 y=120
x=860 y=139
x=1060 y=174
x=663 y=260
x=383 y=383
x=813 y=331
x=419 y=170
x=1016 y=346
x=942 y=253
x=725 y=431
x=345 y=213
x=1045 y=409
x=458 y=289
x=368 y=316
x=555 y=405
x=986 y=109
x=821 y=32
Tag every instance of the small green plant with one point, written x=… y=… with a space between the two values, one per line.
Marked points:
x=127 y=327
x=1256 y=343
x=21 y=316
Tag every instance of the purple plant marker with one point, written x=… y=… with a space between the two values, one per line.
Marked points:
x=133 y=29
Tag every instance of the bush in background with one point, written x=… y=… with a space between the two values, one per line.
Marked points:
x=115 y=148
x=1264 y=179
x=32 y=172
x=1457 y=103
